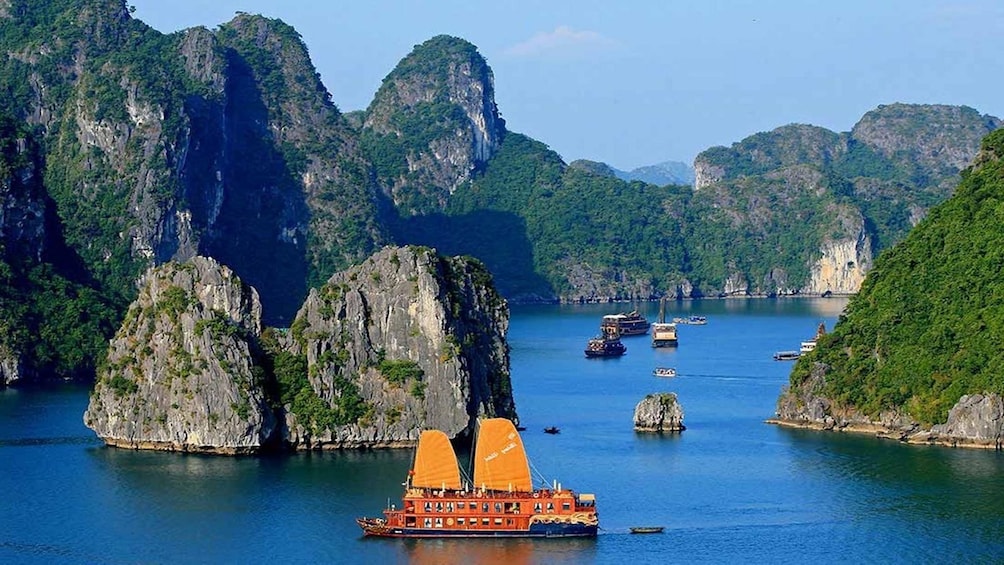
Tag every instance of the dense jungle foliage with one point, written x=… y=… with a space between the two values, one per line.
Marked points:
x=928 y=324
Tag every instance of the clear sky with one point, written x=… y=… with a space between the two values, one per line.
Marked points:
x=634 y=83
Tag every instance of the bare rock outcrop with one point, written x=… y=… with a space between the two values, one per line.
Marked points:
x=419 y=338
x=180 y=374
x=659 y=413
x=844 y=262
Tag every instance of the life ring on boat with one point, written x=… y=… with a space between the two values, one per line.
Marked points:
x=449 y=521
x=478 y=494
x=536 y=495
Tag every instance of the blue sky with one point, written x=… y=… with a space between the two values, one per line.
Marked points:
x=635 y=83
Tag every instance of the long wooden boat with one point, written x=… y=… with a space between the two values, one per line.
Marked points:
x=605 y=346
x=501 y=501
x=626 y=324
x=647 y=529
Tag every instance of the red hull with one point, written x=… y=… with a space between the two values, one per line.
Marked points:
x=434 y=514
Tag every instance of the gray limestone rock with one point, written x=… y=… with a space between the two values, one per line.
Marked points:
x=179 y=374
x=975 y=419
x=659 y=413
x=419 y=336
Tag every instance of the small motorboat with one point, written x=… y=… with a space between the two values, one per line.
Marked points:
x=552 y=430
x=647 y=530
x=664 y=372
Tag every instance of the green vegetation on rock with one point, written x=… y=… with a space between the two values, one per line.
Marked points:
x=927 y=325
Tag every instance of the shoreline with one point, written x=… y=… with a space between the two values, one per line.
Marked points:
x=912 y=436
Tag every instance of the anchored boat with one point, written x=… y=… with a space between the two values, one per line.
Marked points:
x=664 y=333
x=631 y=323
x=607 y=345
x=501 y=501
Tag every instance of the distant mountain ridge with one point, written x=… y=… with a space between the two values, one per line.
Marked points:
x=660 y=174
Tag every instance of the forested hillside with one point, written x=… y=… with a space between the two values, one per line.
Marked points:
x=928 y=324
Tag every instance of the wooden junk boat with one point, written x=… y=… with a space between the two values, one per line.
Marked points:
x=605 y=346
x=501 y=501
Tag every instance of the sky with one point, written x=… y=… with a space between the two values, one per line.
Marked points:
x=635 y=83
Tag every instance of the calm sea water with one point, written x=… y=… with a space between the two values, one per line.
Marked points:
x=728 y=489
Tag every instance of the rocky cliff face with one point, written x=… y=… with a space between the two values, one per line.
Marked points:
x=421 y=337
x=406 y=341
x=976 y=420
x=221 y=143
x=180 y=374
x=22 y=233
x=844 y=262
x=433 y=123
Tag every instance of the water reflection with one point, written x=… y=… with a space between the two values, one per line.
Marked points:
x=502 y=551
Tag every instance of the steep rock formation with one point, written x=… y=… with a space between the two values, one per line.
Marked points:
x=406 y=341
x=221 y=143
x=180 y=374
x=433 y=123
x=22 y=236
x=844 y=262
x=419 y=338
x=659 y=413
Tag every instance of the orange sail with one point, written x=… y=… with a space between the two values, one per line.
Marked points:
x=436 y=462
x=499 y=458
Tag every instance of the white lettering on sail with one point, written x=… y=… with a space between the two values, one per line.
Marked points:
x=493 y=455
x=508 y=448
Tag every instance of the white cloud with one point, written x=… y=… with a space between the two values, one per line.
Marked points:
x=562 y=39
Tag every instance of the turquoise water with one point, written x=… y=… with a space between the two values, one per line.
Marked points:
x=728 y=489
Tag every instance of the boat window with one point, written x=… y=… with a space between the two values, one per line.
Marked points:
x=428 y=507
x=428 y=522
x=439 y=522
x=498 y=507
x=484 y=507
x=409 y=521
x=460 y=521
x=498 y=521
x=566 y=506
x=460 y=505
x=439 y=507
x=449 y=507
x=484 y=521
x=550 y=506
x=536 y=507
